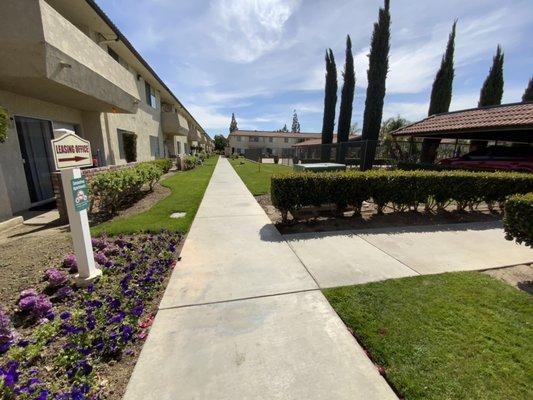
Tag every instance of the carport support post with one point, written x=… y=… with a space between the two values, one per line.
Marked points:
x=80 y=232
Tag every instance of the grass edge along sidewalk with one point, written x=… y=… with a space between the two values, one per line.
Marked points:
x=187 y=190
x=450 y=336
x=257 y=176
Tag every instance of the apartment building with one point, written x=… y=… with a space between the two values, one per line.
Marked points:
x=267 y=143
x=65 y=65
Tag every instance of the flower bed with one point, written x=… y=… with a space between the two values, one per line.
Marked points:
x=59 y=341
x=403 y=190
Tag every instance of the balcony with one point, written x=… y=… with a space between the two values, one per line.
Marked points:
x=174 y=124
x=52 y=60
x=194 y=135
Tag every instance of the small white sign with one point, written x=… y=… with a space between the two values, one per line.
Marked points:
x=71 y=151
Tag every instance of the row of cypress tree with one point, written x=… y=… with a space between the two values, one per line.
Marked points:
x=441 y=93
x=377 y=75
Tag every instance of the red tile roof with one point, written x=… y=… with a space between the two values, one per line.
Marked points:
x=301 y=135
x=508 y=116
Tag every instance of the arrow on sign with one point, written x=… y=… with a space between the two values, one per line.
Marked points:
x=75 y=159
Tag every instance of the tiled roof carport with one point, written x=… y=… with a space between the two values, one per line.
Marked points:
x=508 y=122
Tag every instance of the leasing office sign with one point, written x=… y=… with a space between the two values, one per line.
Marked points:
x=71 y=151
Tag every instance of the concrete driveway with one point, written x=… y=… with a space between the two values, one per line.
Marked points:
x=351 y=257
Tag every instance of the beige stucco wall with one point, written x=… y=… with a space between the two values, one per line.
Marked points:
x=10 y=156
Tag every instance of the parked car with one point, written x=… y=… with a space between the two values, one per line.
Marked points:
x=515 y=158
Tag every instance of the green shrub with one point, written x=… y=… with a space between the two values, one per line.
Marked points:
x=191 y=162
x=518 y=220
x=114 y=189
x=163 y=163
x=202 y=156
x=130 y=147
x=402 y=189
x=4 y=122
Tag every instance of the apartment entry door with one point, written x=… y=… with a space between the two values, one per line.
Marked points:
x=34 y=138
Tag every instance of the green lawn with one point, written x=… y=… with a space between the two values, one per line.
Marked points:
x=187 y=192
x=256 y=176
x=450 y=336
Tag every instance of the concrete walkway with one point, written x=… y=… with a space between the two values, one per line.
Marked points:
x=351 y=257
x=242 y=318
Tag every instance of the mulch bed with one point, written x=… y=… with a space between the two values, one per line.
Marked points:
x=327 y=221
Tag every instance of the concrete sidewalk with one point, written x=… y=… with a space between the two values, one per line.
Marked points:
x=344 y=258
x=242 y=318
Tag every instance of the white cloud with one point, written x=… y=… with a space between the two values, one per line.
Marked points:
x=246 y=29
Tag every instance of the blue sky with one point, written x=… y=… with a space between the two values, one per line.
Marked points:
x=263 y=58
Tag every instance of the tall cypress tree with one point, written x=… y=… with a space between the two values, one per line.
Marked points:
x=492 y=91
x=330 y=103
x=233 y=125
x=295 y=123
x=378 y=67
x=348 y=90
x=528 y=94
x=441 y=96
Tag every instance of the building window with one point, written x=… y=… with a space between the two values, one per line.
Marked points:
x=254 y=139
x=113 y=54
x=151 y=99
x=286 y=140
x=239 y=138
x=127 y=145
x=179 y=147
x=154 y=146
x=271 y=139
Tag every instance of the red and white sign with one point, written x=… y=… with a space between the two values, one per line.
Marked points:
x=71 y=151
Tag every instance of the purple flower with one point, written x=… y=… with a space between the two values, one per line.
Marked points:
x=65 y=315
x=70 y=262
x=42 y=306
x=7 y=335
x=27 y=303
x=11 y=375
x=28 y=293
x=98 y=244
x=64 y=292
x=137 y=310
x=55 y=277
x=100 y=258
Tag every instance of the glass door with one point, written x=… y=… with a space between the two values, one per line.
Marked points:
x=34 y=138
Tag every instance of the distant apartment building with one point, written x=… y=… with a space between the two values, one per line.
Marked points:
x=65 y=65
x=267 y=143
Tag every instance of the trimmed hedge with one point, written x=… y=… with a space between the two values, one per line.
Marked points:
x=402 y=189
x=114 y=189
x=518 y=220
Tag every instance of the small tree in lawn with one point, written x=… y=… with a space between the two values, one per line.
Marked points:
x=330 y=102
x=528 y=94
x=295 y=123
x=441 y=96
x=378 y=66
x=345 y=112
x=491 y=92
x=233 y=125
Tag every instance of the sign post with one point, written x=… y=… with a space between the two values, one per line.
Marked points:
x=71 y=152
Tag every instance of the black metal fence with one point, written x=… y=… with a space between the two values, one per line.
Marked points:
x=386 y=153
